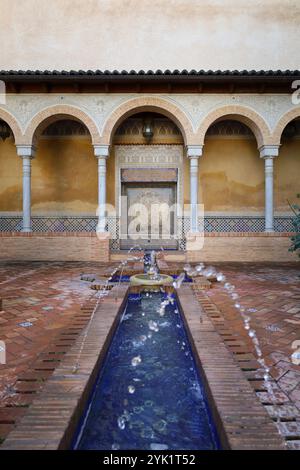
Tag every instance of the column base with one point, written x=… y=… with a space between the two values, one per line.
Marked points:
x=103 y=235
x=194 y=241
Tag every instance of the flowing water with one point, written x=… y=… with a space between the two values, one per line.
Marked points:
x=148 y=394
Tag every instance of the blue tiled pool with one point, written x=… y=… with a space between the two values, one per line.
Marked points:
x=148 y=394
x=126 y=278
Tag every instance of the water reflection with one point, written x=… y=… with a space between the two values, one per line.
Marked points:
x=153 y=399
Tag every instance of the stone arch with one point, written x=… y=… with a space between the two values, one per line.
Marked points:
x=283 y=122
x=13 y=124
x=51 y=114
x=151 y=104
x=243 y=114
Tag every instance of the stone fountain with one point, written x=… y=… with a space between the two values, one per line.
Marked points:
x=151 y=277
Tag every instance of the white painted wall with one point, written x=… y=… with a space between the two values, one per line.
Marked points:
x=149 y=34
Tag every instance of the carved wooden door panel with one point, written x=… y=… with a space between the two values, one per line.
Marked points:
x=150 y=215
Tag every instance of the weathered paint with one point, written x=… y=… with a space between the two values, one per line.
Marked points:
x=118 y=34
x=10 y=177
x=64 y=176
x=287 y=174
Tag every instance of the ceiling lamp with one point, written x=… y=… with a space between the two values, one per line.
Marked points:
x=148 y=129
x=4 y=130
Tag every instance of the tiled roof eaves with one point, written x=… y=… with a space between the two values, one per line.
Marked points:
x=148 y=73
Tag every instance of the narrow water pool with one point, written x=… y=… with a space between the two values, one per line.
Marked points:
x=148 y=394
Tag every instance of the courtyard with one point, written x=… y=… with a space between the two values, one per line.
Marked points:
x=45 y=306
x=149 y=230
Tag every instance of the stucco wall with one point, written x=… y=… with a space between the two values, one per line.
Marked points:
x=231 y=176
x=287 y=174
x=64 y=176
x=10 y=177
x=131 y=34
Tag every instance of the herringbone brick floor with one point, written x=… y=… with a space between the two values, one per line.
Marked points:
x=46 y=305
x=271 y=293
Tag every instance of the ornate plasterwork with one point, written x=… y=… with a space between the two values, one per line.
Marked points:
x=12 y=122
x=152 y=104
x=282 y=123
x=49 y=115
x=65 y=128
x=229 y=129
x=25 y=107
x=164 y=131
x=149 y=156
x=269 y=106
x=189 y=111
x=245 y=114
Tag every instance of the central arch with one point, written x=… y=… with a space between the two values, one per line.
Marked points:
x=150 y=104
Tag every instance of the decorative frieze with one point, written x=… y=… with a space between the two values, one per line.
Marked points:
x=130 y=131
x=66 y=128
x=148 y=157
x=84 y=224
x=101 y=112
x=148 y=175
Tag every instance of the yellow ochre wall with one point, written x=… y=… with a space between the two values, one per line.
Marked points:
x=287 y=174
x=64 y=176
x=231 y=176
x=10 y=177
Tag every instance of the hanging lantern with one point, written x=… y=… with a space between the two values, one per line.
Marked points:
x=4 y=130
x=148 y=129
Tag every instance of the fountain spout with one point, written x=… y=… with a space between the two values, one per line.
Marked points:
x=153 y=258
x=152 y=277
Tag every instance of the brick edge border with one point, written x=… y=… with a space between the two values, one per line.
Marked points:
x=241 y=420
x=53 y=417
x=94 y=234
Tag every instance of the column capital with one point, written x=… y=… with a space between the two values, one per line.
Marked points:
x=24 y=151
x=101 y=151
x=269 y=151
x=194 y=151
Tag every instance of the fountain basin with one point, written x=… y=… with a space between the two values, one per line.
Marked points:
x=145 y=280
x=147 y=395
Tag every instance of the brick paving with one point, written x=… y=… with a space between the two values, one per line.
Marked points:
x=53 y=416
x=56 y=304
x=272 y=293
x=45 y=306
x=242 y=421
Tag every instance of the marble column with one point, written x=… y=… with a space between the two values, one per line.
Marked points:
x=268 y=153
x=27 y=153
x=194 y=153
x=101 y=153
